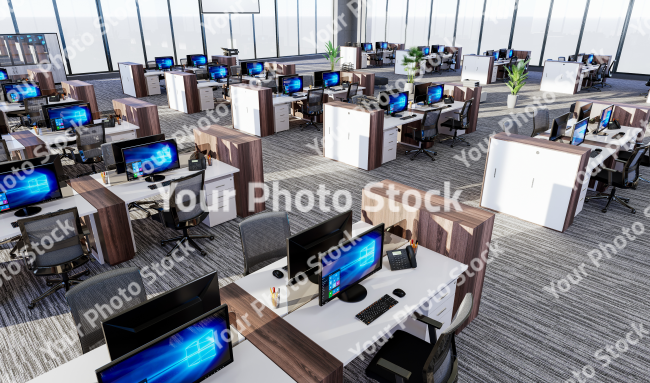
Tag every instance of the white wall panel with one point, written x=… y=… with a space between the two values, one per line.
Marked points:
x=187 y=27
x=376 y=21
x=396 y=23
x=603 y=28
x=123 y=31
x=266 y=45
x=288 y=27
x=156 y=28
x=83 y=37
x=635 y=54
x=242 y=35
x=307 y=18
x=443 y=22
x=324 y=23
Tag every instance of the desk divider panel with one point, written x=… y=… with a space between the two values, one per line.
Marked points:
x=463 y=93
x=626 y=114
x=141 y=113
x=44 y=79
x=83 y=91
x=225 y=60
x=137 y=74
x=34 y=146
x=459 y=57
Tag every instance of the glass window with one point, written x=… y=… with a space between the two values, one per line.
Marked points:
x=242 y=35
x=155 y=26
x=497 y=24
x=7 y=46
x=530 y=26
x=417 y=28
x=83 y=37
x=603 y=28
x=36 y=16
x=122 y=31
x=443 y=23
x=307 y=26
x=395 y=27
x=265 y=42
x=217 y=34
x=324 y=23
x=288 y=27
x=6 y=23
x=634 y=55
x=187 y=27
x=564 y=28
x=376 y=21
x=469 y=25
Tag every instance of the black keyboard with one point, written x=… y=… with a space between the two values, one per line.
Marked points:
x=14 y=224
x=377 y=309
x=407 y=117
x=163 y=184
x=594 y=154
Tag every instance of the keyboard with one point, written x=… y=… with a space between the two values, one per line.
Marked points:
x=407 y=117
x=594 y=154
x=377 y=309
x=163 y=184
x=14 y=224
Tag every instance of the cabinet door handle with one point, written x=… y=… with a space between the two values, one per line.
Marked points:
x=495 y=173
x=443 y=310
x=533 y=183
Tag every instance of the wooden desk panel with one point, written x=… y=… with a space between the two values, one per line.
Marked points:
x=225 y=60
x=83 y=91
x=141 y=113
x=44 y=79
x=463 y=93
x=34 y=146
x=365 y=79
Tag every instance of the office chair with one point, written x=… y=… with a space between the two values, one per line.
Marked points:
x=270 y=83
x=178 y=216
x=89 y=147
x=460 y=124
x=391 y=56
x=65 y=254
x=5 y=124
x=451 y=62
x=312 y=106
x=264 y=238
x=540 y=122
x=100 y=290
x=622 y=179
x=405 y=357
x=644 y=161
x=5 y=155
x=608 y=73
x=352 y=91
x=427 y=133
x=151 y=65
x=34 y=108
x=307 y=80
x=376 y=59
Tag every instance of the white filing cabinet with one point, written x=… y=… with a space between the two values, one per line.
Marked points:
x=281 y=113
x=207 y=98
x=226 y=208
x=153 y=85
x=390 y=145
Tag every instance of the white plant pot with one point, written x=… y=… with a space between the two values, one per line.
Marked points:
x=409 y=87
x=512 y=100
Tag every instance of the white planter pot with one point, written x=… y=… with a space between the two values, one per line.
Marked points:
x=409 y=87
x=512 y=100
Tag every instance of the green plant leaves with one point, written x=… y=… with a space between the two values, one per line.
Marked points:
x=517 y=77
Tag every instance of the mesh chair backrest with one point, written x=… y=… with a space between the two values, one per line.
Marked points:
x=90 y=139
x=430 y=123
x=34 y=106
x=464 y=113
x=4 y=120
x=540 y=122
x=631 y=168
x=307 y=80
x=264 y=237
x=352 y=89
x=187 y=197
x=235 y=70
x=4 y=152
x=100 y=298
x=270 y=83
x=315 y=97
x=107 y=154
x=609 y=67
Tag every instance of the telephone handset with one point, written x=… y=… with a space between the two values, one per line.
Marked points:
x=411 y=255
x=402 y=259
x=616 y=126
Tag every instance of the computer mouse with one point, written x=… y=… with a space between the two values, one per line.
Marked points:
x=278 y=274
x=399 y=293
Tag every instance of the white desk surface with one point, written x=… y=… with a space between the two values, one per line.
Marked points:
x=392 y=122
x=286 y=99
x=12 y=143
x=131 y=191
x=9 y=107
x=209 y=84
x=83 y=207
x=334 y=326
x=61 y=139
x=154 y=73
x=331 y=92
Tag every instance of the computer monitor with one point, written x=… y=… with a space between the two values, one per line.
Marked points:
x=585 y=111
x=441 y=49
x=164 y=63
x=419 y=93
x=157 y=316
x=291 y=84
x=580 y=58
x=434 y=94
x=68 y=116
x=318 y=78
x=605 y=118
x=22 y=188
x=496 y=55
x=510 y=53
x=590 y=59
x=3 y=74
x=218 y=72
x=503 y=53
x=254 y=68
x=559 y=126
x=17 y=92
x=117 y=147
x=187 y=354
x=148 y=160
x=197 y=60
x=397 y=103
x=331 y=79
x=384 y=45
x=367 y=47
x=345 y=267
x=425 y=50
x=579 y=132
x=434 y=48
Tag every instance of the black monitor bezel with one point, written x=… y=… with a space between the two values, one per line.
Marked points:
x=190 y=63
x=323 y=81
x=216 y=65
x=426 y=95
x=5 y=71
x=120 y=166
x=388 y=105
x=48 y=107
x=556 y=133
x=245 y=65
x=418 y=94
x=154 y=173
x=54 y=168
x=584 y=109
x=281 y=83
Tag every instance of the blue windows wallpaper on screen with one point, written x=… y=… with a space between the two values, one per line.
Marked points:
x=441 y=49
x=151 y=158
x=19 y=92
x=367 y=47
x=384 y=45
x=579 y=132
x=292 y=84
x=254 y=68
x=331 y=79
x=69 y=116
x=496 y=55
x=199 y=60
x=425 y=50
x=397 y=102
x=352 y=265
x=3 y=74
x=218 y=72
x=434 y=94
x=184 y=357
x=604 y=122
x=164 y=62
x=21 y=189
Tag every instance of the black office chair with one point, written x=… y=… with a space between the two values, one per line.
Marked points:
x=608 y=72
x=89 y=147
x=451 y=62
x=264 y=238
x=622 y=179
x=183 y=192
x=427 y=133
x=599 y=77
x=66 y=253
x=407 y=358
x=234 y=77
x=391 y=56
x=312 y=106
x=540 y=122
x=460 y=124
x=101 y=290
x=376 y=59
x=5 y=155
x=352 y=91
x=644 y=161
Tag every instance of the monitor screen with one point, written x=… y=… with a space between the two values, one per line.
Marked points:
x=590 y=59
x=510 y=52
x=425 y=50
x=318 y=78
x=163 y=63
x=27 y=187
x=3 y=74
x=218 y=72
x=350 y=263
x=502 y=53
x=579 y=132
x=18 y=92
x=384 y=45
x=186 y=355
x=291 y=85
x=441 y=49
x=331 y=79
x=585 y=111
x=397 y=102
x=117 y=147
x=147 y=159
x=434 y=94
x=496 y=55
x=559 y=126
x=367 y=47
x=605 y=118
x=70 y=116
x=197 y=60
x=579 y=58
x=254 y=68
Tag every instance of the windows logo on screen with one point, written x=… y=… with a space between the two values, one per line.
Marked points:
x=38 y=185
x=201 y=350
x=367 y=255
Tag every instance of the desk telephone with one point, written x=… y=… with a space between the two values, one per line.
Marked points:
x=402 y=259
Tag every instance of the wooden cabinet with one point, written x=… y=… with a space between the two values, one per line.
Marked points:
x=560 y=77
x=347 y=142
x=389 y=152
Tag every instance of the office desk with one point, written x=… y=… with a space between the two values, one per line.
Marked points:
x=206 y=93
x=14 y=145
x=152 y=78
x=125 y=131
x=447 y=112
x=8 y=107
x=32 y=145
x=328 y=96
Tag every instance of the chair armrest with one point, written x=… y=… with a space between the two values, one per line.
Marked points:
x=609 y=173
x=428 y=321
x=620 y=160
x=401 y=374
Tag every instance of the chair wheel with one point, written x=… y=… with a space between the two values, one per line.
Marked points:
x=30 y=306
x=49 y=284
x=604 y=210
x=633 y=211
x=212 y=237
x=162 y=243
x=203 y=253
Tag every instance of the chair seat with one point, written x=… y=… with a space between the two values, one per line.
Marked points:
x=617 y=179
x=393 y=351
x=58 y=257
x=452 y=124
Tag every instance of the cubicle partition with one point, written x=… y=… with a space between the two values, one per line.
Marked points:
x=458 y=57
x=635 y=116
x=479 y=68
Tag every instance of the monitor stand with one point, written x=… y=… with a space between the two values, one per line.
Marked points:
x=356 y=293
x=155 y=178
x=27 y=211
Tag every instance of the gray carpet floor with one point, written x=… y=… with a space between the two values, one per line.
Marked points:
x=522 y=333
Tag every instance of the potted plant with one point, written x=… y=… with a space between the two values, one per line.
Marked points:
x=411 y=63
x=517 y=77
x=331 y=54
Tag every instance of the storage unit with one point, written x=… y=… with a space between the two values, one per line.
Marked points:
x=153 y=84
x=220 y=192
x=252 y=109
x=390 y=145
x=207 y=98
x=561 y=77
x=281 y=115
